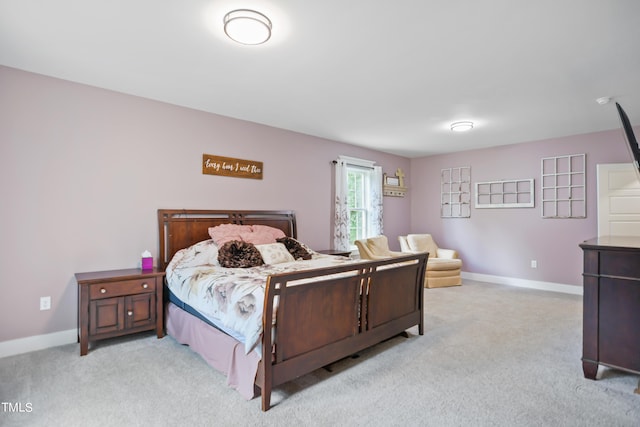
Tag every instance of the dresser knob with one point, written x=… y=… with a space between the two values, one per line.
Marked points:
x=103 y=291
x=129 y=313
x=144 y=285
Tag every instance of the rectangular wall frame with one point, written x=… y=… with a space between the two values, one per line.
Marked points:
x=455 y=192
x=563 y=186
x=511 y=193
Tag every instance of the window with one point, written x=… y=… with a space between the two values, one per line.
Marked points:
x=358 y=196
x=358 y=202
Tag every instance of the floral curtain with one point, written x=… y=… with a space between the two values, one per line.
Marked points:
x=341 y=209
x=375 y=198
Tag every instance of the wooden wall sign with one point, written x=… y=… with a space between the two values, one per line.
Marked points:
x=228 y=166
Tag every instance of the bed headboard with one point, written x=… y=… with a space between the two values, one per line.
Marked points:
x=181 y=228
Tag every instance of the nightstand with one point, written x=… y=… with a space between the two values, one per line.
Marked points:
x=118 y=302
x=335 y=252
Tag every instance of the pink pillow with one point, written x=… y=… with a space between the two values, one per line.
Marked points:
x=224 y=233
x=261 y=237
x=276 y=233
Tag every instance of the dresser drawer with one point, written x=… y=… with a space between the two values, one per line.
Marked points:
x=124 y=287
x=620 y=264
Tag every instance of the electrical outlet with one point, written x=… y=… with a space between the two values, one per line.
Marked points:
x=534 y=263
x=45 y=303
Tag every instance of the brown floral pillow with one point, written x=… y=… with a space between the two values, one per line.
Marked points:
x=295 y=248
x=239 y=254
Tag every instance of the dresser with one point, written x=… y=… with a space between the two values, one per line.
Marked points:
x=611 y=304
x=118 y=302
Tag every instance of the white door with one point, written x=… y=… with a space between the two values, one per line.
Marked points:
x=618 y=200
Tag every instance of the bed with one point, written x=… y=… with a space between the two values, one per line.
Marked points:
x=309 y=317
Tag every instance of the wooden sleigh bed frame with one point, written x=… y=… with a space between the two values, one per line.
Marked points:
x=337 y=312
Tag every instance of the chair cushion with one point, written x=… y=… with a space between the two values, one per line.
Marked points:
x=422 y=243
x=378 y=245
x=404 y=245
x=443 y=264
x=443 y=273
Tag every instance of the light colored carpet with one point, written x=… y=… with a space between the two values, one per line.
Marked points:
x=491 y=355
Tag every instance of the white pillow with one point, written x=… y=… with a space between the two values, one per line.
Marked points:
x=203 y=253
x=274 y=253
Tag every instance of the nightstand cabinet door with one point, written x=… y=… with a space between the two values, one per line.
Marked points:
x=140 y=311
x=106 y=315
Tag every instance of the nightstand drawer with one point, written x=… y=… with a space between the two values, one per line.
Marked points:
x=124 y=287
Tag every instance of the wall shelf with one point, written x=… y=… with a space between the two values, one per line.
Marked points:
x=394 y=185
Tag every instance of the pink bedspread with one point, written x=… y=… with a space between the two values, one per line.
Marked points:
x=218 y=349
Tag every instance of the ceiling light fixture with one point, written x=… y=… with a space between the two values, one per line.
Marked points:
x=461 y=126
x=247 y=26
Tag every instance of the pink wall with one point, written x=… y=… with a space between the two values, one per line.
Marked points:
x=84 y=170
x=502 y=242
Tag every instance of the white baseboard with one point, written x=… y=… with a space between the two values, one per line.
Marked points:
x=37 y=342
x=524 y=283
x=40 y=342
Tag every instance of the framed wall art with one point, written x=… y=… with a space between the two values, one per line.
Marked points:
x=455 y=192
x=563 y=188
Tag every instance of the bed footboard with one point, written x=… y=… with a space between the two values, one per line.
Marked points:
x=324 y=315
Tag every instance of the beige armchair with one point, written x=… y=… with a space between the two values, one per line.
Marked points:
x=443 y=265
x=375 y=248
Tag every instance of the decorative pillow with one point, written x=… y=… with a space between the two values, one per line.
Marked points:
x=295 y=248
x=261 y=237
x=238 y=254
x=224 y=233
x=275 y=232
x=274 y=253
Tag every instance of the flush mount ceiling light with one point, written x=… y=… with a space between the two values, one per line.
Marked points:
x=247 y=26
x=461 y=126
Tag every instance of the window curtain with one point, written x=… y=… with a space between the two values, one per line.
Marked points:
x=341 y=209
x=375 y=218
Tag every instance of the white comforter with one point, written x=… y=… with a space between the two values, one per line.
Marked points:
x=231 y=298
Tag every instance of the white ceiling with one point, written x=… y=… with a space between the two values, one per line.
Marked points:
x=389 y=75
